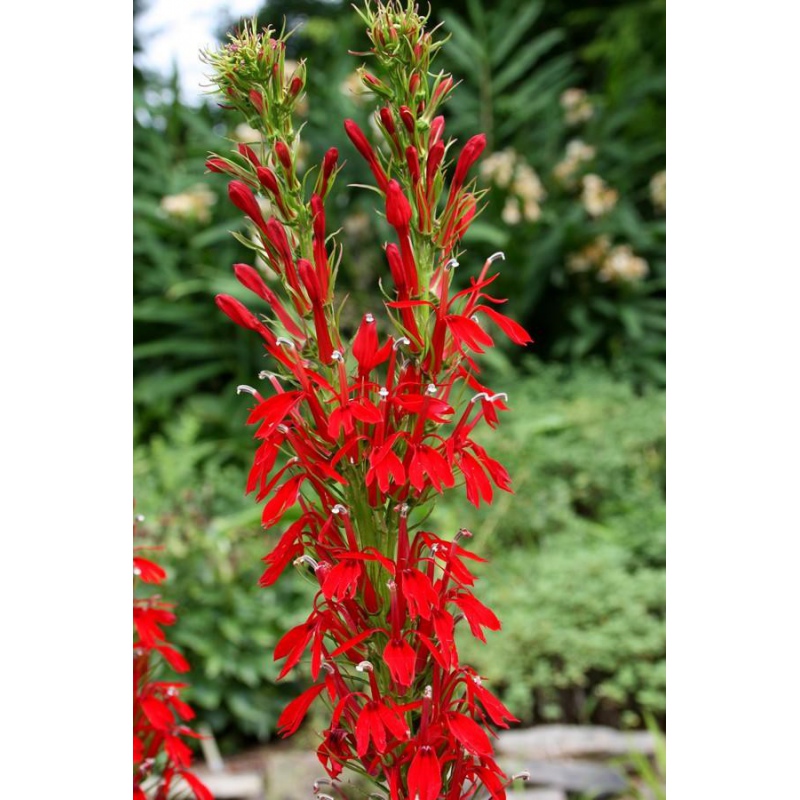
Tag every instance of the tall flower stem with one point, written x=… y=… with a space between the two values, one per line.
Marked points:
x=376 y=426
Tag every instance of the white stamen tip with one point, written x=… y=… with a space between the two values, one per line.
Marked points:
x=364 y=666
x=300 y=560
x=137 y=571
x=281 y=428
x=401 y=340
x=494 y=256
x=328 y=667
x=284 y=340
x=431 y=388
x=243 y=387
x=479 y=396
x=339 y=509
x=428 y=693
x=140 y=517
x=320 y=782
x=521 y=776
x=336 y=355
x=383 y=392
x=369 y=318
x=463 y=533
x=391 y=586
x=498 y=396
x=403 y=509
x=451 y=264
x=264 y=374
x=323 y=796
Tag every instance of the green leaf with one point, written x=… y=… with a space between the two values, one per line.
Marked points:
x=525 y=59
x=516 y=28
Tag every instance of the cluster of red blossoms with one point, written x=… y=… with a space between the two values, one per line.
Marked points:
x=363 y=432
x=160 y=753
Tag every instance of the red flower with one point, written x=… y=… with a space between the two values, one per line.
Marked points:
x=399 y=656
x=147 y=570
x=424 y=775
x=291 y=717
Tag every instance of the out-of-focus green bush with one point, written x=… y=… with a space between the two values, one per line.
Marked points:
x=583 y=635
x=586 y=457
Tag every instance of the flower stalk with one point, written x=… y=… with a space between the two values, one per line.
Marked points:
x=376 y=426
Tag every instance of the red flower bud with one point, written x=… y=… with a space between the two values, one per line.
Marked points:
x=328 y=166
x=413 y=163
x=249 y=278
x=435 y=156
x=437 y=129
x=285 y=157
x=413 y=84
x=309 y=278
x=241 y=315
x=270 y=183
x=442 y=90
x=398 y=209
x=469 y=155
x=245 y=201
x=268 y=180
x=217 y=165
x=248 y=153
x=357 y=137
x=257 y=100
x=396 y=268
x=388 y=120
x=407 y=117
x=372 y=80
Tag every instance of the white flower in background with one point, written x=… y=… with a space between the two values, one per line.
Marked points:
x=247 y=135
x=511 y=213
x=193 y=204
x=527 y=185
x=658 y=190
x=498 y=168
x=528 y=188
x=508 y=170
x=356 y=225
x=265 y=206
x=578 y=150
x=576 y=105
x=622 y=265
x=597 y=197
x=577 y=153
x=531 y=210
x=590 y=256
